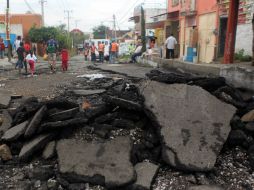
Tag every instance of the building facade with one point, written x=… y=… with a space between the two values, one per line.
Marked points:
x=26 y=21
x=202 y=25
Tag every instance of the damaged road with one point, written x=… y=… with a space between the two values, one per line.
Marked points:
x=171 y=130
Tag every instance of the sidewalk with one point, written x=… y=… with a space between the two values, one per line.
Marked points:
x=241 y=75
x=5 y=65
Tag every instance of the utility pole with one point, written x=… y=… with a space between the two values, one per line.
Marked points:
x=143 y=29
x=114 y=23
x=7 y=23
x=68 y=18
x=42 y=11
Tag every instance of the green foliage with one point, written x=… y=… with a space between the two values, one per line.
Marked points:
x=42 y=35
x=240 y=56
x=100 y=31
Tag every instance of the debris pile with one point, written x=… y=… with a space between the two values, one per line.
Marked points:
x=116 y=133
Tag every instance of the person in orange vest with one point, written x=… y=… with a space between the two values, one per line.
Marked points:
x=101 y=48
x=113 y=51
x=93 y=55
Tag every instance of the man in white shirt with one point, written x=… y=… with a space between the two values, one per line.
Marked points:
x=137 y=53
x=170 y=45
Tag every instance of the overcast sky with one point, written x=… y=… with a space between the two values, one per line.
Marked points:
x=86 y=13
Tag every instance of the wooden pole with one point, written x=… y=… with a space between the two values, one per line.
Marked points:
x=231 y=32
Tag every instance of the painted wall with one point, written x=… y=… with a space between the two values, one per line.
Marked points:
x=244 y=35
x=174 y=5
x=26 y=20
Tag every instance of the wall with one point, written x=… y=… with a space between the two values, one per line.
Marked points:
x=15 y=29
x=26 y=20
x=243 y=38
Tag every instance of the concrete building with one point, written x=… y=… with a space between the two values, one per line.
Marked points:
x=27 y=21
x=154 y=23
x=202 y=25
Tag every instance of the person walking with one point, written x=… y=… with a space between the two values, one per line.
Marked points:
x=21 y=55
x=65 y=59
x=93 y=55
x=101 y=48
x=113 y=51
x=2 y=48
x=27 y=48
x=51 y=51
x=31 y=59
x=86 y=53
x=170 y=45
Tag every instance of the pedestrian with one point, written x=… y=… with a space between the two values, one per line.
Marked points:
x=27 y=48
x=93 y=55
x=86 y=53
x=170 y=46
x=17 y=43
x=65 y=59
x=113 y=51
x=101 y=49
x=137 y=53
x=21 y=55
x=2 y=48
x=34 y=49
x=51 y=51
x=31 y=59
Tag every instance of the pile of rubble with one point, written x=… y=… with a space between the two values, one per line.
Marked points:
x=115 y=133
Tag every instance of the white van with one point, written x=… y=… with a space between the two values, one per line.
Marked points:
x=106 y=43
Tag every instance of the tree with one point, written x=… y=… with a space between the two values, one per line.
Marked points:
x=42 y=35
x=143 y=29
x=100 y=32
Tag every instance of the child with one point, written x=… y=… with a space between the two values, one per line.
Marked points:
x=65 y=58
x=86 y=52
x=31 y=59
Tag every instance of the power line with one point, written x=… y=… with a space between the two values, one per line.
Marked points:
x=30 y=8
x=126 y=13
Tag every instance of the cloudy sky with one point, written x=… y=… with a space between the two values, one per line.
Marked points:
x=85 y=13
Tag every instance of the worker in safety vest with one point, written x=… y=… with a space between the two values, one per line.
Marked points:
x=113 y=52
x=101 y=48
x=93 y=50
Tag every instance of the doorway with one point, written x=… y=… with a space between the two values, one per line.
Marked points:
x=222 y=36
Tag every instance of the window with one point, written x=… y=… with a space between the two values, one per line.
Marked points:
x=175 y=2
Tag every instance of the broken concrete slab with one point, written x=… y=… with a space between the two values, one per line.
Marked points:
x=32 y=146
x=88 y=92
x=5 y=98
x=205 y=187
x=191 y=121
x=5 y=153
x=125 y=104
x=97 y=163
x=64 y=115
x=71 y=123
x=6 y=123
x=49 y=151
x=15 y=132
x=34 y=124
x=248 y=117
x=146 y=172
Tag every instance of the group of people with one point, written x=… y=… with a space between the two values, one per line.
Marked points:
x=113 y=52
x=27 y=56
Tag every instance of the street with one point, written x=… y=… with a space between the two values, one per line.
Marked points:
x=79 y=111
